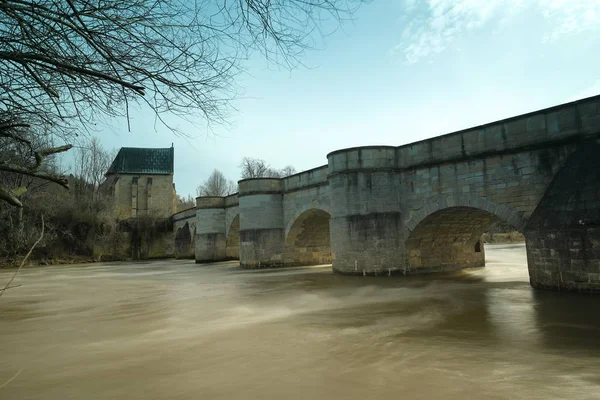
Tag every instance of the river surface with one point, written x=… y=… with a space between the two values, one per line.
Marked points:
x=177 y=330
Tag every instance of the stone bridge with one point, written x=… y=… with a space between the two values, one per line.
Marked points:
x=422 y=207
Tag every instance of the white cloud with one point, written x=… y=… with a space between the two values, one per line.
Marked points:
x=570 y=16
x=432 y=25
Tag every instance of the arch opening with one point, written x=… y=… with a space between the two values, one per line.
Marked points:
x=184 y=242
x=232 y=244
x=308 y=240
x=449 y=239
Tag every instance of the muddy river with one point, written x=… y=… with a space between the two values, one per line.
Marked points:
x=177 y=330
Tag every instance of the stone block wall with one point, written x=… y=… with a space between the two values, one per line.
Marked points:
x=144 y=195
x=138 y=239
x=366 y=222
x=518 y=180
x=449 y=239
x=296 y=202
x=232 y=244
x=232 y=226
x=563 y=234
x=308 y=240
x=261 y=222
x=210 y=238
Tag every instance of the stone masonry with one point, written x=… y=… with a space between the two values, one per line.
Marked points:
x=184 y=228
x=422 y=207
x=140 y=182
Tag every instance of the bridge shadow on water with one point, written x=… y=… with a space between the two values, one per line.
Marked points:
x=492 y=306
x=453 y=307
x=568 y=321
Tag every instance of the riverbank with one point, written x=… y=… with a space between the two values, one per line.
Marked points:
x=503 y=238
x=14 y=263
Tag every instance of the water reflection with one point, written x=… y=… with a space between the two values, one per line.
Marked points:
x=568 y=322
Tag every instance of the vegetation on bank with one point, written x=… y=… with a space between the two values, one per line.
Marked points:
x=77 y=222
x=501 y=232
x=73 y=219
x=508 y=237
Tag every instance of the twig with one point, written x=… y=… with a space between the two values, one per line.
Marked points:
x=23 y=262
x=10 y=287
x=12 y=379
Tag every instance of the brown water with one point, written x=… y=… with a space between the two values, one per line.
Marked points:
x=176 y=330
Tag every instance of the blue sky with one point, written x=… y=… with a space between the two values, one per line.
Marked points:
x=404 y=70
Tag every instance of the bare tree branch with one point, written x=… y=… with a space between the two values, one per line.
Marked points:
x=253 y=168
x=257 y=168
x=10 y=197
x=68 y=64
x=13 y=377
x=181 y=57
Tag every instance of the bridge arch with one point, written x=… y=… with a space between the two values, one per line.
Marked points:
x=314 y=205
x=504 y=212
x=232 y=242
x=229 y=220
x=184 y=241
x=307 y=240
x=445 y=234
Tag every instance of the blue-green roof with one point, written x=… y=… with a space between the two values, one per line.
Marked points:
x=138 y=160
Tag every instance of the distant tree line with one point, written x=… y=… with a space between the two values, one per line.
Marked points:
x=257 y=168
x=218 y=185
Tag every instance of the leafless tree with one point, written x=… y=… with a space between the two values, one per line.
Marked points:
x=92 y=161
x=287 y=171
x=23 y=152
x=253 y=168
x=185 y=203
x=258 y=168
x=272 y=173
x=216 y=185
x=68 y=64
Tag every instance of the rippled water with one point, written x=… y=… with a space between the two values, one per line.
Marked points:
x=177 y=330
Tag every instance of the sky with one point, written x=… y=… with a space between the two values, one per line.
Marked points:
x=402 y=71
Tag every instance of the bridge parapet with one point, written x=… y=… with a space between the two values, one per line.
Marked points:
x=232 y=200
x=208 y=202
x=310 y=178
x=185 y=214
x=362 y=158
x=252 y=186
x=539 y=129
